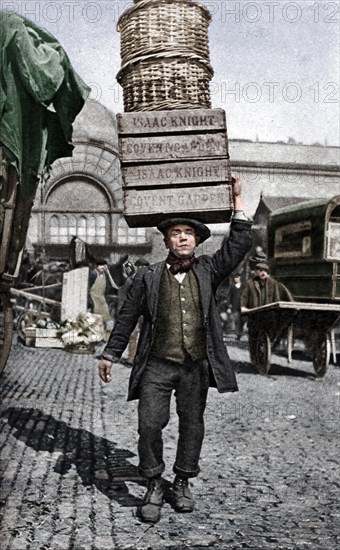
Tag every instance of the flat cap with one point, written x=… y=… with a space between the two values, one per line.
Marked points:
x=262 y=265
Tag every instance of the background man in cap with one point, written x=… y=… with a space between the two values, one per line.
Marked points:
x=259 y=291
x=263 y=289
x=180 y=348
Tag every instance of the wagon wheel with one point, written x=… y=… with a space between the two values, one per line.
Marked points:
x=252 y=348
x=28 y=318
x=321 y=354
x=263 y=352
x=6 y=329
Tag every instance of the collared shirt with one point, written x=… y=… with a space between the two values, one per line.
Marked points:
x=178 y=276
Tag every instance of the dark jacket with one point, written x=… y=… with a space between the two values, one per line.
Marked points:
x=233 y=297
x=275 y=292
x=142 y=300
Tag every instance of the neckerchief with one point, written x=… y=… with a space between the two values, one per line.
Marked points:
x=178 y=265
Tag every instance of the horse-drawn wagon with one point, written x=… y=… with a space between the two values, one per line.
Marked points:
x=304 y=254
x=40 y=98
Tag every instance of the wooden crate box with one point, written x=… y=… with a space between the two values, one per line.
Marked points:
x=43 y=338
x=175 y=163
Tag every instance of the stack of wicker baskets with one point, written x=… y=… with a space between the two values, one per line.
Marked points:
x=165 y=55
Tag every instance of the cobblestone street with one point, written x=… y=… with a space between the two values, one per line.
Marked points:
x=269 y=468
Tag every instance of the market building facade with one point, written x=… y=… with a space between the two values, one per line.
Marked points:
x=83 y=196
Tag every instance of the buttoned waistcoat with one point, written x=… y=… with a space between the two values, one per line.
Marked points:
x=143 y=300
x=179 y=323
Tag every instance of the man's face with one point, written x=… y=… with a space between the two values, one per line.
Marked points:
x=237 y=279
x=101 y=268
x=262 y=274
x=181 y=240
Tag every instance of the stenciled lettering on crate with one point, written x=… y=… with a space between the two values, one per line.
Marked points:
x=169 y=173
x=139 y=149
x=155 y=122
x=202 y=202
x=175 y=162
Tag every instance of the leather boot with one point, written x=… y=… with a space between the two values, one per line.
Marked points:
x=182 y=497
x=150 y=511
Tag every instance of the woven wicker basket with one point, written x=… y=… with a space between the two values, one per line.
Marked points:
x=166 y=83
x=166 y=25
x=165 y=55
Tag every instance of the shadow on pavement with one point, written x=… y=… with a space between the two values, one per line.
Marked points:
x=275 y=370
x=245 y=367
x=98 y=461
x=279 y=370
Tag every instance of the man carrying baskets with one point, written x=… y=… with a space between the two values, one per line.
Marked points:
x=180 y=348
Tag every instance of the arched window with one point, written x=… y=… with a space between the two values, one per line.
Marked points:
x=90 y=228
x=63 y=231
x=54 y=230
x=101 y=229
x=140 y=235
x=122 y=231
x=72 y=225
x=80 y=208
x=82 y=228
x=130 y=235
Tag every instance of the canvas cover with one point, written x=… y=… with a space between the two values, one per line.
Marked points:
x=40 y=96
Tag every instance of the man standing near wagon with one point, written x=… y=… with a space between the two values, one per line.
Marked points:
x=259 y=291
x=180 y=348
x=262 y=289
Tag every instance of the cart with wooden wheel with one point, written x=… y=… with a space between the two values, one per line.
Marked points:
x=310 y=322
x=14 y=215
x=36 y=306
x=6 y=329
x=42 y=96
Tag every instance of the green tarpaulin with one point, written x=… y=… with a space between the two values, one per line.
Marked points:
x=40 y=96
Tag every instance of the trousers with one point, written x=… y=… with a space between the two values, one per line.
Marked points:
x=190 y=383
